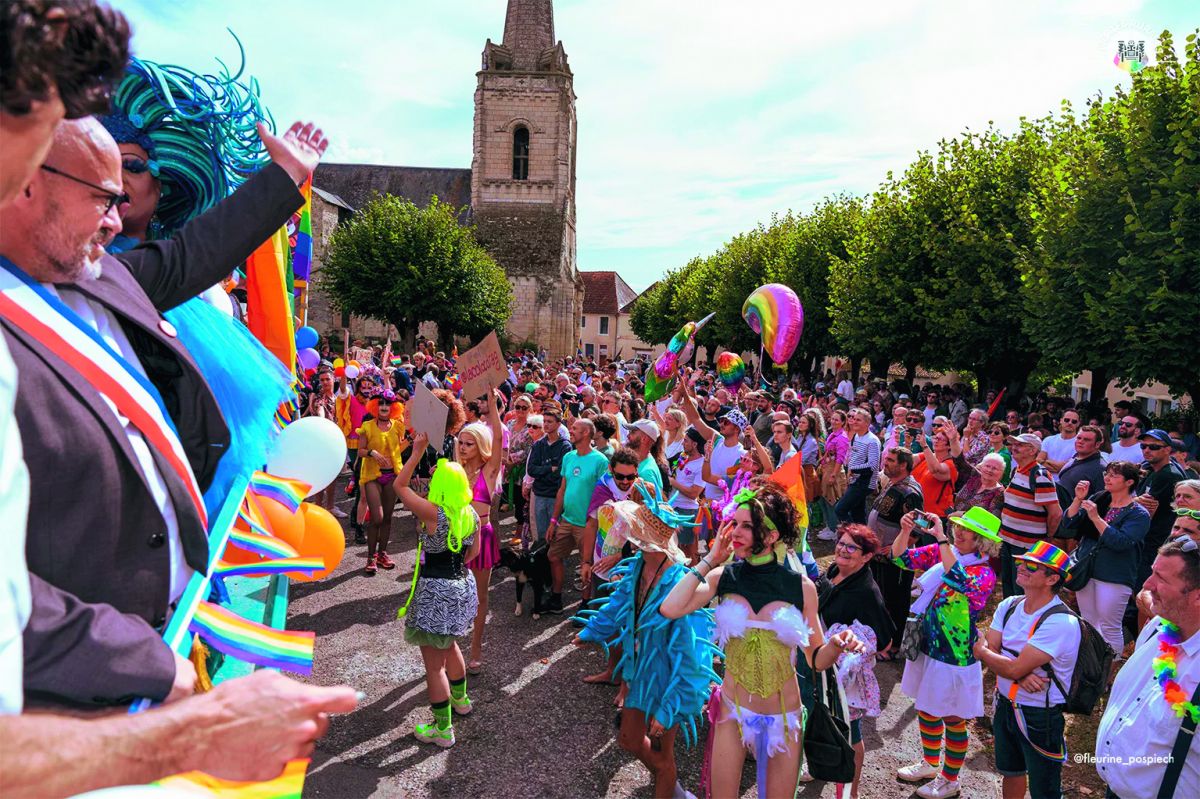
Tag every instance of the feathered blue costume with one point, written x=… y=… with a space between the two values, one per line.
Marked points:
x=667 y=663
x=199 y=134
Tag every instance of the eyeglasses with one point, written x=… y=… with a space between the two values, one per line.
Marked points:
x=1153 y=447
x=1195 y=514
x=112 y=200
x=1126 y=424
x=842 y=546
x=1069 y=421
x=624 y=478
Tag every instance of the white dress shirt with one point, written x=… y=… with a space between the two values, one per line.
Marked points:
x=14 y=509
x=1138 y=723
x=109 y=327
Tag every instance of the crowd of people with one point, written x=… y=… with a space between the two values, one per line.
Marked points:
x=1075 y=532
x=935 y=513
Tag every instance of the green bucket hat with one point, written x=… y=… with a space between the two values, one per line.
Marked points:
x=980 y=522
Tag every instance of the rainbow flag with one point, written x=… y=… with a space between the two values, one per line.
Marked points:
x=279 y=566
x=302 y=249
x=266 y=545
x=288 y=493
x=252 y=642
x=288 y=785
x=790 y=477
x=269 y=298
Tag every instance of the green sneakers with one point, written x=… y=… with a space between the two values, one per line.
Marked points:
x=430 y=734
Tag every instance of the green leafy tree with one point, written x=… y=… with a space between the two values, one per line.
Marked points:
x=1115 y=273
x=404 y=265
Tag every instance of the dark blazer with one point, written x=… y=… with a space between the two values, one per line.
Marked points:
x=96 y=543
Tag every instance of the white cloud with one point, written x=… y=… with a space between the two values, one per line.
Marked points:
x=697 y=120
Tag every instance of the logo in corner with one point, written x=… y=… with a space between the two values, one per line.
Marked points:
x=1131 y=48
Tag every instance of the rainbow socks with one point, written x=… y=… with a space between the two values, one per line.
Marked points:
x=931 y=739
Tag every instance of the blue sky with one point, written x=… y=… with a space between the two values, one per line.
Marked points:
x=698 y=119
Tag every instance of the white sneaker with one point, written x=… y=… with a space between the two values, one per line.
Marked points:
x=916 y=772
x=940 y=788
x=828 y=535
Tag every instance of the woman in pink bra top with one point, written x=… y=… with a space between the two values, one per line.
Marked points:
x=480 y=450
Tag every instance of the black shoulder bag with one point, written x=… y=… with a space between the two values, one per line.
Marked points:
x=827 y=735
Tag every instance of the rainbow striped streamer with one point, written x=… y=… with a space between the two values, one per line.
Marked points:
x=288 y=785
x=253 y=642
x=302 y=248
x=279 y=566
x=266 y=545
x=288 y=493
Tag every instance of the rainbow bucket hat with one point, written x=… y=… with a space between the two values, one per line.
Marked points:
x=1047 y=555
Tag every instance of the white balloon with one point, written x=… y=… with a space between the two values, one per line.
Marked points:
x=311 y=450
x=351 y=371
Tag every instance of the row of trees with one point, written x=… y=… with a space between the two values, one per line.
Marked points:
x=405 y=265
x=1072 y=243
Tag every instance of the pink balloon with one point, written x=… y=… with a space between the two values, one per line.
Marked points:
x=774 y=312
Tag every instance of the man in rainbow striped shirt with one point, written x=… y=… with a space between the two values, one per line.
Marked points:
x=1031 y=511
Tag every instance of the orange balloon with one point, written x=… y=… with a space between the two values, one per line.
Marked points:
x=281 y=522
x=323 y=537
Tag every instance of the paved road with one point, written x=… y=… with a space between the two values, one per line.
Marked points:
x=537 y=730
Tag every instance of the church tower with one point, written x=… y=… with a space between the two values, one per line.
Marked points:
x=523 y=175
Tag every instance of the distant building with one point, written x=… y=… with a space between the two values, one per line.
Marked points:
x=519 y=191
x=604 y=331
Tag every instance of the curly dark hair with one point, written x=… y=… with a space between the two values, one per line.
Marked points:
x=771 y=500
x=78 y=47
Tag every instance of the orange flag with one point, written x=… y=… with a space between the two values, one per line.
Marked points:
x=268 y=298
x=790 y=477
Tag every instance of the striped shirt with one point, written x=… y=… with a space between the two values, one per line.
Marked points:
x=1023 y=519
x=864 y=454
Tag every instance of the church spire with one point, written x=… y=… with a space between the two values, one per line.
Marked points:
x=528 y=31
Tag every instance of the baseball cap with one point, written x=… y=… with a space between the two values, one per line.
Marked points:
x=646 y=427
x=734 y=417
x=1025 y=438
x=1178 y=446
x=903 y=396
x=1157 y=435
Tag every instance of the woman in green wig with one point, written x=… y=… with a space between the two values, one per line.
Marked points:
x=442 y=601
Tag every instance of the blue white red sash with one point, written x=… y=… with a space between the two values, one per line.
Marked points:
x=49 y=321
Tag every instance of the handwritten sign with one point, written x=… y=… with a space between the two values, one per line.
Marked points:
x=427 y=414
x=482 y=368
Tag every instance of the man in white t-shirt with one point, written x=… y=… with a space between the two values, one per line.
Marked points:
x=1028 y=721
x=845 y=389
x=1128 y=447
x=1059 y=449
x=688 y=482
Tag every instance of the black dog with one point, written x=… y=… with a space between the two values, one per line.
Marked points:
x=529 y=567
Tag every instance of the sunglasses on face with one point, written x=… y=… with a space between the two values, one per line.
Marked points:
x=624 y=478
x=1032 y=568
x=534 y=426
x=1153 y=447
x=1195 y=514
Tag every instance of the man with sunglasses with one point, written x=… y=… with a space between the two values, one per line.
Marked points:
x=122 y=550
x=1059 y=448
x=1127 y=447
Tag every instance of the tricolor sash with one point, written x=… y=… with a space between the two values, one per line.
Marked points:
x=51 y=323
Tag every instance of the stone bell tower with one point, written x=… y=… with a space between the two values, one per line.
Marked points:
x=523 y=175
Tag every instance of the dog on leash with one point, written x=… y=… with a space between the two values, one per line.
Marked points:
x=529 y=567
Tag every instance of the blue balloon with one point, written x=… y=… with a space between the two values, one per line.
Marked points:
x=307 y=338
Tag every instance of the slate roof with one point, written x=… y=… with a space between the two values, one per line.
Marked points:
x=604 y=292
x=357 y=184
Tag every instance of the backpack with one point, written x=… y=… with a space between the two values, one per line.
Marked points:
x=1093 y=662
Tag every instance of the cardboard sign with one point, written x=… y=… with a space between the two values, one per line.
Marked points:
x=482 y=368
x=427 y=414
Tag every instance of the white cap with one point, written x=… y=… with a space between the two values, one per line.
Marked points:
x=646 y=427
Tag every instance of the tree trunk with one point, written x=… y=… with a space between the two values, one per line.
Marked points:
x=1097 y=395
x=910 y=374
x=855 y=366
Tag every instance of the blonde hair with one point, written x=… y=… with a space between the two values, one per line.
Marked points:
x=483 y=438
x=987 y=547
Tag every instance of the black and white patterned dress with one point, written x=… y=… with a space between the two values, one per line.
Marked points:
x=445 y=601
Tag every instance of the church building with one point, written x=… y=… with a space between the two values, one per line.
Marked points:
x=519 y=191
